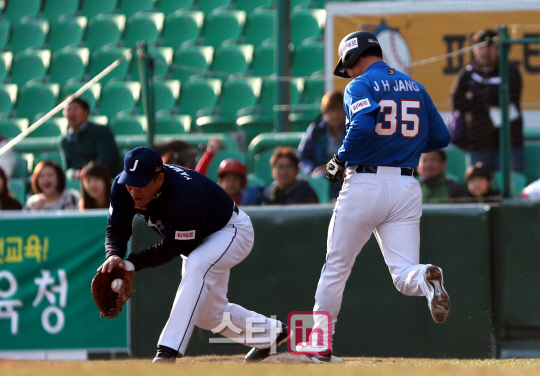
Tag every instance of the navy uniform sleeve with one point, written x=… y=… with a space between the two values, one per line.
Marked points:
x=439 y=136
x=120 y=219
x=361 y=110
x=181 y=235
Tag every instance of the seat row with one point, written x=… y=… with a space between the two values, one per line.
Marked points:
x=177 y=28
x=52 y=9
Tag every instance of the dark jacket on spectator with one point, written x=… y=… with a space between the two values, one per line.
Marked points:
x=299 y=193
x=10 y=203
x=473 y=94
x=93 y=143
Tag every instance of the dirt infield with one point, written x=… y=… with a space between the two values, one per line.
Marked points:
x=234 y=366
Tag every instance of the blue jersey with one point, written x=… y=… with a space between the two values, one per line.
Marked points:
x=188 y=208
x=391 y=120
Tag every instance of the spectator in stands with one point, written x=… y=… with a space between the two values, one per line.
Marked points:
x=7 y=200
x=232 y=178
x=180 y=153
x=433 y=180
x=287 y=187
x=475 y=101
x=95 y=187
x=323 y=139
x=49 y=186
x=479 y=180
x=7 y=160
x=87 y=142
x=532 y=190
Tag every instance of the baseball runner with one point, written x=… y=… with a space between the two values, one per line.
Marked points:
x=199 y=222
x=391 y=120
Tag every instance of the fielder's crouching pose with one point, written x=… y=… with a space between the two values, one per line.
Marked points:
x=391 y=120
x=199 y=222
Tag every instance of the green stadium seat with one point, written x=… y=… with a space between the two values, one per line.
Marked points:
x=208 y=6
x=456 y=162
x=73 y=184
x=66 y=31
x=198 y=94
x=299 y=122
x=261 y=166
x=169 y=6
x=255 y=181
x=48 y=156
x=53 y=127
x=5 y=27
x=173 y=124
x=300 y=4
x=119 y=98
x=166 y=95
x=238 y=93
x=312 y=96
x=36 y=98
x=130 y=7
x=67 y=64
x=321 y=186
x=320 y=3
x=28 y=33
x=104 y=29
x=129 y=125
x=12 y=127
x=266 y=141
x=91 y=8
x=263 y=60
x=105 y=56
x=265 y=106
x=91 y=95
x=21 y=168
x=98 y=119
x=306 y=24
x=260 y=26
x=218 y=158
x=531 y=133
x=231 y=59
x=18 y=188
x=519 y=182
x=8 y=96
x=223 y=25
x=253 y=125
x=16 y=9
x=249 y=6
x=143 y=27
x=52 y=9
x=194 y=60
x=308 y=59
x=5 y=64
x=532 y=160
x=163 y=57
x=29 y=65
x=182 y=26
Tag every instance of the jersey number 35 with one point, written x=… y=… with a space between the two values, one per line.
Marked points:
x=409 y=122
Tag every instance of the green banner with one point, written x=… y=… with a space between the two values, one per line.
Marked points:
x=47 y=262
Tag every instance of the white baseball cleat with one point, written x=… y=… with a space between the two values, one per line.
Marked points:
x=321 y=354
x=438 y=299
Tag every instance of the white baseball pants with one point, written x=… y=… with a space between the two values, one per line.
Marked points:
x=201 y=298
x=388 y=205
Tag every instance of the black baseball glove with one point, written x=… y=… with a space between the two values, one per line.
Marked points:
x=333 y=167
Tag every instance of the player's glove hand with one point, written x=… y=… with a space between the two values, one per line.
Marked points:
x=333 y=167
x=109 y=302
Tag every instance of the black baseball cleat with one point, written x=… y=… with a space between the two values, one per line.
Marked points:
x=438 y=299
x=166 y=355
x=326 y=358
x=256 y=355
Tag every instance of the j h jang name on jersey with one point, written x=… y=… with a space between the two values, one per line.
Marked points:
x=399 y=85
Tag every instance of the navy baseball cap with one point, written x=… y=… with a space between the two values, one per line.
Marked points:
x=140 y=166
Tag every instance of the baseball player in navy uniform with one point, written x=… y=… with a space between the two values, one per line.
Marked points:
x=199 y=222
x=391 y=120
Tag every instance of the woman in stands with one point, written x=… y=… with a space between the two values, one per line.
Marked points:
x=95 y=187
x=48 y=184
x=7 y=200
